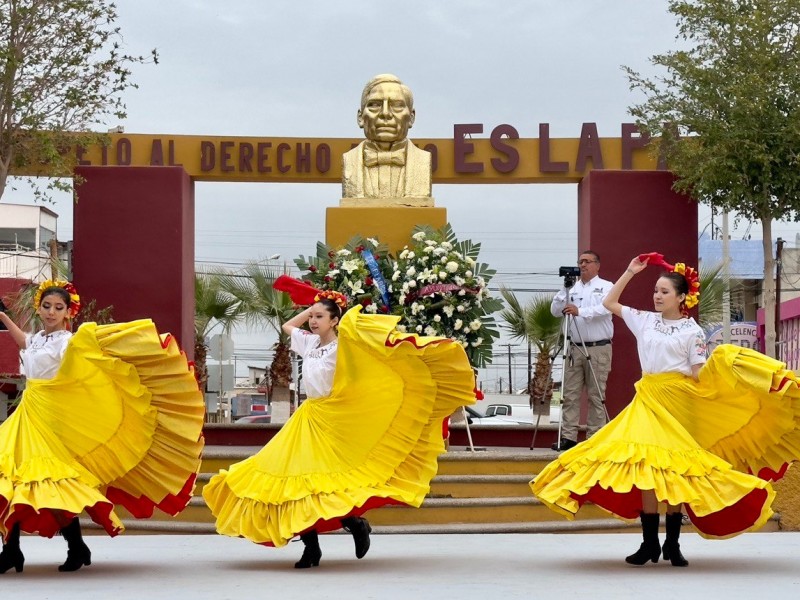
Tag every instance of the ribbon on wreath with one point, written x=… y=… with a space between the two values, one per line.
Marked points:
x=439 y=288
x=377 y=276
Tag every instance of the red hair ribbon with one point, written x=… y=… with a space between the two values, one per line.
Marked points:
x=690 y=274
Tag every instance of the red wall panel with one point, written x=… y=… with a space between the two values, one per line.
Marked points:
x=622 y=214
x=134 y=245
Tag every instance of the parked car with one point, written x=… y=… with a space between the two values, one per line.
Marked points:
x=252 y=419
x=494 y=420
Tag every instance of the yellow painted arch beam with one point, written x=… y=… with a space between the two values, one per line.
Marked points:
x=500 y=158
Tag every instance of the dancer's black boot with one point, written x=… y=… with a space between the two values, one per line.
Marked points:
x=360 y=528
x=650 y=548
x=78 y=553
x=672 y=549
x=12 y=555
x=311 y=553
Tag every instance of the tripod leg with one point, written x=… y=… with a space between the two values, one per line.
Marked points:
x=469 y=433
x=564 y=356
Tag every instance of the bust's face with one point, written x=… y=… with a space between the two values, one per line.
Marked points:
x=386 y=117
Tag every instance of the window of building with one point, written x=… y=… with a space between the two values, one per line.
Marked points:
x=17 y=238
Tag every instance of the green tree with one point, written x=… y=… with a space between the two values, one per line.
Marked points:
x=260 y=305
x=726 y=111
x=535 y=324
x=62 y=72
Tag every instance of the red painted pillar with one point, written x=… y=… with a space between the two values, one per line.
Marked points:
x=622 y=214
x=134 y=245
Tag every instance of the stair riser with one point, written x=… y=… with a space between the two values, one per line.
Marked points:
x=446 y=467
x=455 y=490
x=491 y=467
x=480 y=490
x=425 y=515
x=476 y=514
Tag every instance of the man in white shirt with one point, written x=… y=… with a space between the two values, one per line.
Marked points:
x=589 y=349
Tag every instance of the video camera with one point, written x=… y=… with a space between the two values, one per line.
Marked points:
x=569 y=274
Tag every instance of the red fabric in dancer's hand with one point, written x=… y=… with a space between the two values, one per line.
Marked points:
x=655 y=259
x=299 y=291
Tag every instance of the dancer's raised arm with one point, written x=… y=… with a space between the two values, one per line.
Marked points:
x=611 y=301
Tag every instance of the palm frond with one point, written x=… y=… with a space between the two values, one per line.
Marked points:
x=534 y=322
x=513 y=315
x=258 y=303
x=712 y=288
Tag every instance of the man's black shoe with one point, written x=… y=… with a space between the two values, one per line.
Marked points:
x=564 y=445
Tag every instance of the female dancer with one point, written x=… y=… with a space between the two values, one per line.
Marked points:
x=368 y=435
x=691 y=433
x=110 y=415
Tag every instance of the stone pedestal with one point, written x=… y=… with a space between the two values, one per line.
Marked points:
x=280 y=405
x=391 y=225
x=406 y=201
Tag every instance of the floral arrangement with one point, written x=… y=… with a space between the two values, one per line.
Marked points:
x=693 y=297
x=338 y=298
x=347 y=271
x=435 y=285
x=441 y=290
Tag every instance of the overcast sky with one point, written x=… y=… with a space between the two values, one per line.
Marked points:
x=269 y=68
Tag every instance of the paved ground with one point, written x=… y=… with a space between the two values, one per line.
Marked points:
x=417 y=567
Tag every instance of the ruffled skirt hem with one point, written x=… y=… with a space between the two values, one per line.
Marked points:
x=131 y=434
x=374 y=441
x=653 y=445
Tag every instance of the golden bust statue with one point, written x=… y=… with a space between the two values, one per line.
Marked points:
x=386 y=169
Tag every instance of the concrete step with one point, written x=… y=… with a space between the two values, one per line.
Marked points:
x=603 y=525
x=472 y=510
x=452 y=486
x=475 y=486
x=455 y=462
x=503 y=509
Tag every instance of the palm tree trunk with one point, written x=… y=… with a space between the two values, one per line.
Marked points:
x=200 y=360
x=541 y=386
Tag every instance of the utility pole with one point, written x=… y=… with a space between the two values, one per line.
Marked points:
x=530 y=369
x=778 y=264
x=53 y=259
x=510 y=381
x=726 y=276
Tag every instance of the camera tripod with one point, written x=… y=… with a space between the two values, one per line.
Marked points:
x=563 y=351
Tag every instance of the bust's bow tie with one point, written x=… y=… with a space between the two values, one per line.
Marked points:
x=375 y=156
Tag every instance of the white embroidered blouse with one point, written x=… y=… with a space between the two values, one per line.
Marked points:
x=42 y=354
x=665 y=345
x=319 y=362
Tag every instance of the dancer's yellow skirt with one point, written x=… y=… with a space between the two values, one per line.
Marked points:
x=120 y=424
x=696 y=443
x=374 y=441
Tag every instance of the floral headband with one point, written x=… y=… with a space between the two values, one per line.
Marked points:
x=690 y=274
x=337 y=297
x=74 y=299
